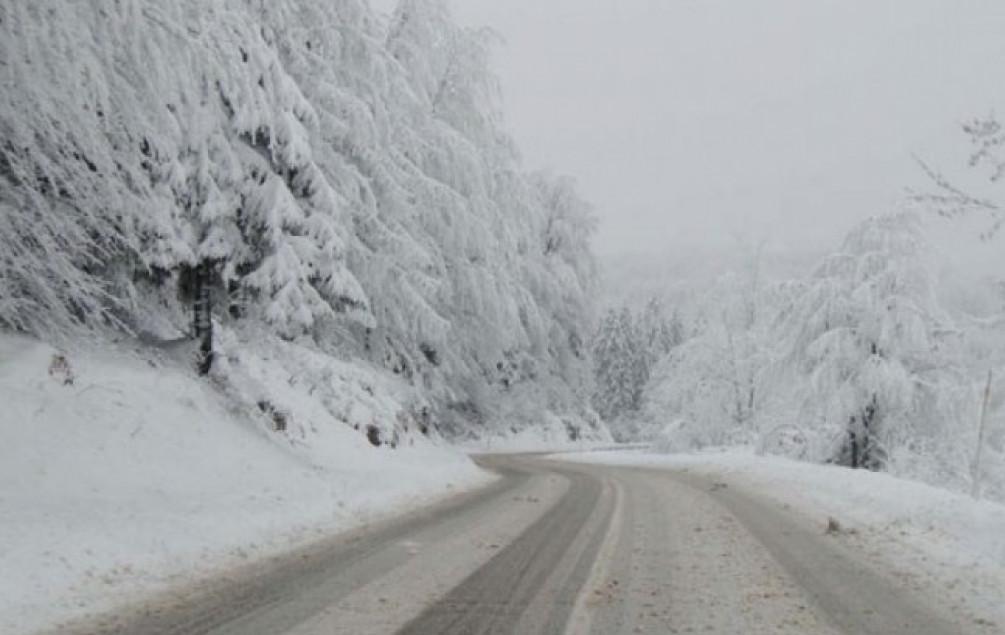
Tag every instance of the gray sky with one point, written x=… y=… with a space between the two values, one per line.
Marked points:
x=697 y=121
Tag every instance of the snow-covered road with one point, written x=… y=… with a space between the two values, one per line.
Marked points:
x=555 y=547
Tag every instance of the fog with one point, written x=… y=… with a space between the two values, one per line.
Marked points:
x=781 y=121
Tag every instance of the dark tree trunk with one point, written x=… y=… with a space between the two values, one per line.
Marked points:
x=872 y=458
x=853 y=442
x=202 y=316
x=861 y=449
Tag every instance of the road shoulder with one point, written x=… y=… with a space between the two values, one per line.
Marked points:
x=925 y=543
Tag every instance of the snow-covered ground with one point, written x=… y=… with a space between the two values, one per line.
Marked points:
x=947 y=544
x=138 y=476
x=550 y=436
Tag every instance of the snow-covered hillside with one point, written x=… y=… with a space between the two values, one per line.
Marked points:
x=315 y=205
x=121 y=472
x=336 y=175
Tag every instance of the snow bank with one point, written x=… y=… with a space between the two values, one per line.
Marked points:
x=548 y=433
x=122 y=473
x=955 y=543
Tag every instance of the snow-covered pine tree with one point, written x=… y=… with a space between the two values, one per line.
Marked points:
x=487 y=225
x=627 y=348
x=204 y=156
x=304 y=165
x=68 y=188
x=620 y=365
x=564 y=285
x=257 y=221
x=659 y=334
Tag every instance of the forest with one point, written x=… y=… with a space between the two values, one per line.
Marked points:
x=878 y=359
x=308 y=326
x=314 y=174
x=300 y=171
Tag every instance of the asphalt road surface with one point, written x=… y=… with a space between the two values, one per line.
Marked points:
x=552 y=547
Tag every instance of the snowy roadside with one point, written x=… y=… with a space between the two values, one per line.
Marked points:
x=550 y=437
x=137 y=476
x=944 y=544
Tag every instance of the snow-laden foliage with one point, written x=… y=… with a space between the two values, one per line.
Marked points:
x=713 y=382
x=620 y=373
x=860 y=364
x=175 y=131
x=877 y=360
x=329 y=172
x=626 y=347
x=948 y=199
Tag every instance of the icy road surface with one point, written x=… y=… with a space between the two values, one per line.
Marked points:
x=563 y=548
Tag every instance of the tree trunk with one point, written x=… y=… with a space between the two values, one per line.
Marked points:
x=202 y=316
x=853 y=440
x=871 y=458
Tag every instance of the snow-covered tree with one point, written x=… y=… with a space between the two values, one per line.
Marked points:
x=202 y=160
x=712 y=384
x=986 y=137
x=308 y=166
x=659 y=333
x=626 y=349
x=876 y=350
x=618 y=366
x=67 y=188
x=983 y=333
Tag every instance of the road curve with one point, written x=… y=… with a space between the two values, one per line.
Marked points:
x=558 y=548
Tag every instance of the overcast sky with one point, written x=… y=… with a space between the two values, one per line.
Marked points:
x=694 y=121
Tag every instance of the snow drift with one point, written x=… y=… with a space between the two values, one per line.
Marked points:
x=122 y=473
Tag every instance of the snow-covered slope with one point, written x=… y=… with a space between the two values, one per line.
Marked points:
x=121 y=472
x=311 y=167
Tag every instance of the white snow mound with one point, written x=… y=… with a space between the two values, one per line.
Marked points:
x=138 y=475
